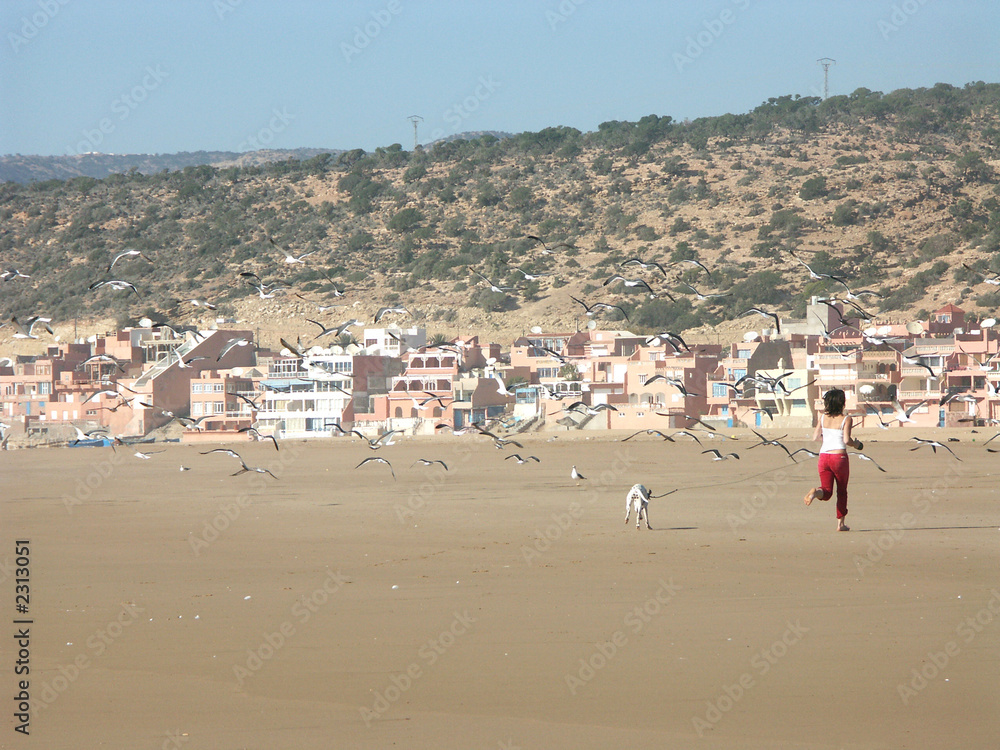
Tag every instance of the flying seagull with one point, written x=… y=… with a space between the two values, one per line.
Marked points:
x=127 y=254
x=863 y=457
x=903 y=415
x=289 y=258
x=91 y=435
x=546 y=250
x=629 y=282
x=114 y=284
x=517 y=457
x=693 y=262
x=698 y=421
x=591 y=310
x=145 y=456
x=238 y=457
x=702 y=296
x=26 y=330
x=383 y=311
x=934 y=445
x=716 y=456
x=531 y=276
x=258 y=437
x=766 y=314
x=811 y=454
x=493 y=286
x=645 y=265
x=685 y=433
x=815 y=276
x=992 y=280
x=230 y=345
x=430 y=462
x=648 y=432
x=377 y=459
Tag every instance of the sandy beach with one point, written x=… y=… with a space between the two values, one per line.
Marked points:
x=502 y=606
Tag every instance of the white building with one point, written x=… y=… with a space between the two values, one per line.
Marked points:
x=305 y=400
x=379 y=340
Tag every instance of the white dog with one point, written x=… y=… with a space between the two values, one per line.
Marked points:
x=638 y=499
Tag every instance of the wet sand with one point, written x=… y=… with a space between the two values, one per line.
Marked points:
x=502 y=606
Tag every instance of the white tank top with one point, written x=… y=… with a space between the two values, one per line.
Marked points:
x=833 y=438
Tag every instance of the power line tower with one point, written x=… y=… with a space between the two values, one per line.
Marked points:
x=826 y=62
x=415 y=119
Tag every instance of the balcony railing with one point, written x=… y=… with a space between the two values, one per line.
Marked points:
x=908 y=395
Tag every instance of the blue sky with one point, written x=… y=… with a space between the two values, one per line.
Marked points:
x=147 y=76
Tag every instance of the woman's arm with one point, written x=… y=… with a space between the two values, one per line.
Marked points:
x=848 y=440
x=818 y=433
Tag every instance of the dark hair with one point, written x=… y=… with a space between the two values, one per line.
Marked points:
x=833 y=402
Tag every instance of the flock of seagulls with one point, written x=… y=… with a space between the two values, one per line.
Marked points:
x=687 y=270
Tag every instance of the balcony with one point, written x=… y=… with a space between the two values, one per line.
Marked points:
x=917 y=395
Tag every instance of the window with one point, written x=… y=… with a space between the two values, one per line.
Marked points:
x=44 y=389
x=219 y=406
x=217 y=387
x=196 y=407
x=642 y=378
x=197 y=388
x=743 y=353
x=343 y=366
x=719 y=390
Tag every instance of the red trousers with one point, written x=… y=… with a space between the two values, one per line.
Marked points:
x=835 y=466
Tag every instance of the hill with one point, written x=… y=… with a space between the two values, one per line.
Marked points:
x=897 y=193
x=17 y=168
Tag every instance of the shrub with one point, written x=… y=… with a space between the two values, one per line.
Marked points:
x=846 y=213
x=813 y=188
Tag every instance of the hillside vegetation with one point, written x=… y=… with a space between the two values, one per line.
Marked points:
x=896 y=192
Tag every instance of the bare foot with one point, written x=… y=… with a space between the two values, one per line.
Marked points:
x=841 y=526
x=812 y=495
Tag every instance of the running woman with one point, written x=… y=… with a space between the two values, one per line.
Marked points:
x=835 y=429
